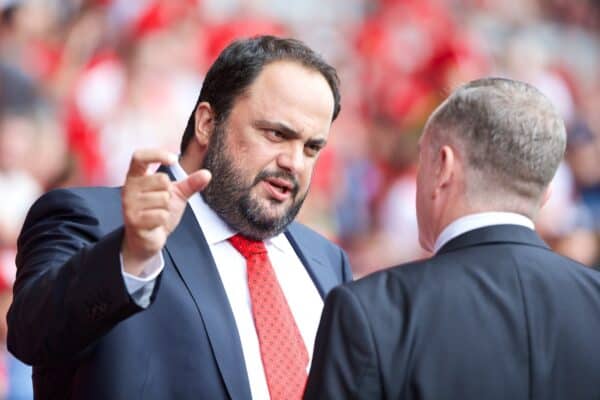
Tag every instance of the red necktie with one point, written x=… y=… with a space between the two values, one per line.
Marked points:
x=282 y=349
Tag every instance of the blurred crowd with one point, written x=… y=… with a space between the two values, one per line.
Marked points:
x=84 y=83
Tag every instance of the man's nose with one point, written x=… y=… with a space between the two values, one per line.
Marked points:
x=292 y=158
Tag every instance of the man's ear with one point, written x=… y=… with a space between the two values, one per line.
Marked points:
x=204 y=123
x=445 y=170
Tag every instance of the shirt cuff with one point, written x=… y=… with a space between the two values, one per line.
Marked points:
x=149 y=274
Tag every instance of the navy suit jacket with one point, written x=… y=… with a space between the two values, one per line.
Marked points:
x=74 y=321
x=494 y=315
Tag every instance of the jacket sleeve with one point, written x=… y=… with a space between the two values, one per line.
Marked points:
x=344 y=364
x=69 y=290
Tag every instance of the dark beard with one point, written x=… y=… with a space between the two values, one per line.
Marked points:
x=230 y=197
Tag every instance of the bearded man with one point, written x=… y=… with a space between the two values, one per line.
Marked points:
x=192 y=282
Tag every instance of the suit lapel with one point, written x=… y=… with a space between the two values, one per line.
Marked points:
x=191 y=256
x=315 y=260
x=495 y=234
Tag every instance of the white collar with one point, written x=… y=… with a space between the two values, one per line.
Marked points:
x=479 y=220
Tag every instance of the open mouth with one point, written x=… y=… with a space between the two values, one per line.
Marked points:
x=280 y=189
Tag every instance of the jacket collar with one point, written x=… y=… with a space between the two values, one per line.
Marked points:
x=495 y=234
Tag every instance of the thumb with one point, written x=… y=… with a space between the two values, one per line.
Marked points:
x=193 y=183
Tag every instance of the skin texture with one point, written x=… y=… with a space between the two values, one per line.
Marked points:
x=440 y=174
x=152 y=206
x=271 y=138
x=441 y=196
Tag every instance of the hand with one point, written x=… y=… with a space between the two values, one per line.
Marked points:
x=153 y=206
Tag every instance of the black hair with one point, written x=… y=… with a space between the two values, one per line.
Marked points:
x=240 y=63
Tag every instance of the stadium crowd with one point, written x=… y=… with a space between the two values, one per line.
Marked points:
x=84 y=83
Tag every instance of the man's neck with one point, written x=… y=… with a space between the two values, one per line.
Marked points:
x=187 y=164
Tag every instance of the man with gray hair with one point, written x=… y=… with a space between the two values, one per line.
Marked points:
x=494 y=314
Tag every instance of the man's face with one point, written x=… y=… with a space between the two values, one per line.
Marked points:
x=262 y=157
x=425 y=187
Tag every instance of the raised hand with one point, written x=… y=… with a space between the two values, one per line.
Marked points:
x=153 y=206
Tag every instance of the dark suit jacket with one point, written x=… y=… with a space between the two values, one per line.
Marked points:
x=73 y=319
x=494 y=315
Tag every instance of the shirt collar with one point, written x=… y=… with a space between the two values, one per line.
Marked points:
x=479 y=220
x=214 y=228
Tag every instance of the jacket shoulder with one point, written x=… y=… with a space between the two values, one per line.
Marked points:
x=100 y=203
x=400 y=280
x=312 y=244
x=303 y=232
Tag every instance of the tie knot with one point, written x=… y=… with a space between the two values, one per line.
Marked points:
x=246 y=246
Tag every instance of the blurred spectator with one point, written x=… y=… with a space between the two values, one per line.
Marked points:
x=19 y=189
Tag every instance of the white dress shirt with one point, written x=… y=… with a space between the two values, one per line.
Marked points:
x=479 y=220
x=300 y=292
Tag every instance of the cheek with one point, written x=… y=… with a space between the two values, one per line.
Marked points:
x=305 y=177
x=260 y=157
x=252 y=162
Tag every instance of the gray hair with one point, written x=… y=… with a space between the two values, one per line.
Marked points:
x=510 y=135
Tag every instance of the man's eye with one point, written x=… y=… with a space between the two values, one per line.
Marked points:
x=313 y=149
x=274 y=135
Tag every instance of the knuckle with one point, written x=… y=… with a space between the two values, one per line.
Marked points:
x=153 y=180
x=129 y=218
x=152 y=218
x=131 y=184
x=163 y=216
x=129 y=201
x=163 y=179
x=165 y=197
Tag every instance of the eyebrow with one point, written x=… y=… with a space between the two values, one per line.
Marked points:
x=277 y=126
x=288 y=132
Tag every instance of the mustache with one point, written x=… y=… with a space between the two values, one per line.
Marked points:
x=288 y=176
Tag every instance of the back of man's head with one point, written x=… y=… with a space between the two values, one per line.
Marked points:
x=510 y=137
